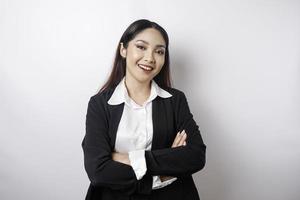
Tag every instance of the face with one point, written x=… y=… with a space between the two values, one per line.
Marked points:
x=145 y=55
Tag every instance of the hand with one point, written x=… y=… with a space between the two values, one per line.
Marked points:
x=121 y=157
x=178 y=141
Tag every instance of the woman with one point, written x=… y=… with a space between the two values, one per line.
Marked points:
x=141 y=140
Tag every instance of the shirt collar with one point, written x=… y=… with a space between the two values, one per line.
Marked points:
x=120 y=94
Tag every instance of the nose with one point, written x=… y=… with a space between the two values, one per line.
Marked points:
x=149 y=57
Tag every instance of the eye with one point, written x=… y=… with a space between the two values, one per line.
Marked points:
x=140 y=47
x=161 y=52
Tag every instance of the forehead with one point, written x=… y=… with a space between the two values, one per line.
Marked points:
x=150 y=36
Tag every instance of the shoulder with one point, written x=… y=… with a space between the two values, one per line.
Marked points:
x=176 y=93
x=103 y=95
x=178 y=101
x=178 y=98
x=101 y=98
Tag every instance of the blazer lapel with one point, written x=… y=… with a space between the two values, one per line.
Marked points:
x=115 y=117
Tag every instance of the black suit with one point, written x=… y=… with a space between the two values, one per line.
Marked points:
x=112 y=180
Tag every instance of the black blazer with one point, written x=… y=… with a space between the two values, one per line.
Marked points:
x=112 y=180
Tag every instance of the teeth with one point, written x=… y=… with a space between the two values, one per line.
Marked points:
x=145 y=67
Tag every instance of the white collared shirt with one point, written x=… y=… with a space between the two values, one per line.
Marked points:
x=135 y=130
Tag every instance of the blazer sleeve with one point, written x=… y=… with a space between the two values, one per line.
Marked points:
x=98 y=163
x=183 y=160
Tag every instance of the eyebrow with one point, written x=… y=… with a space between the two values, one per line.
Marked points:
x=159 y=45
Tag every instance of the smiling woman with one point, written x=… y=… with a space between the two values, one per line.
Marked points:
x=141 y=140
x=144 y=57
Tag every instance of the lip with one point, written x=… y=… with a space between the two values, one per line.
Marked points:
x=147 y=66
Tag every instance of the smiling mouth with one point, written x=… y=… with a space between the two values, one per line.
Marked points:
x=146 y=68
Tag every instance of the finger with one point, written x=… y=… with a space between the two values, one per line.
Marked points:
x=182 y=135
x=182 y=140
x=176 y=140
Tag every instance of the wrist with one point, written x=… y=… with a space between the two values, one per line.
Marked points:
x=125 y=158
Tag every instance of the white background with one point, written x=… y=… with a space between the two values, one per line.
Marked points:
x=237 y=62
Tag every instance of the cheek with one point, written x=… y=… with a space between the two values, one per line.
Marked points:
x=160 y=61
x=135 y=55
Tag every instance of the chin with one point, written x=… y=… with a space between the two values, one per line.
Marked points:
x=145 y=79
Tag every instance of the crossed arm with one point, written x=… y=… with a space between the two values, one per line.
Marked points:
x=178 y=141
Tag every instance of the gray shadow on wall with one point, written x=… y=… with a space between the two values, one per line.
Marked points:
x=211 y=181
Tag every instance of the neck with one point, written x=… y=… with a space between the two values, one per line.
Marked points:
x=136 y=88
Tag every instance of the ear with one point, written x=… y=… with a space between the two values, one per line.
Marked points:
x=123 y=50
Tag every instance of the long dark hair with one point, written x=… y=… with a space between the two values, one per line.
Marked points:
x=163 y=78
